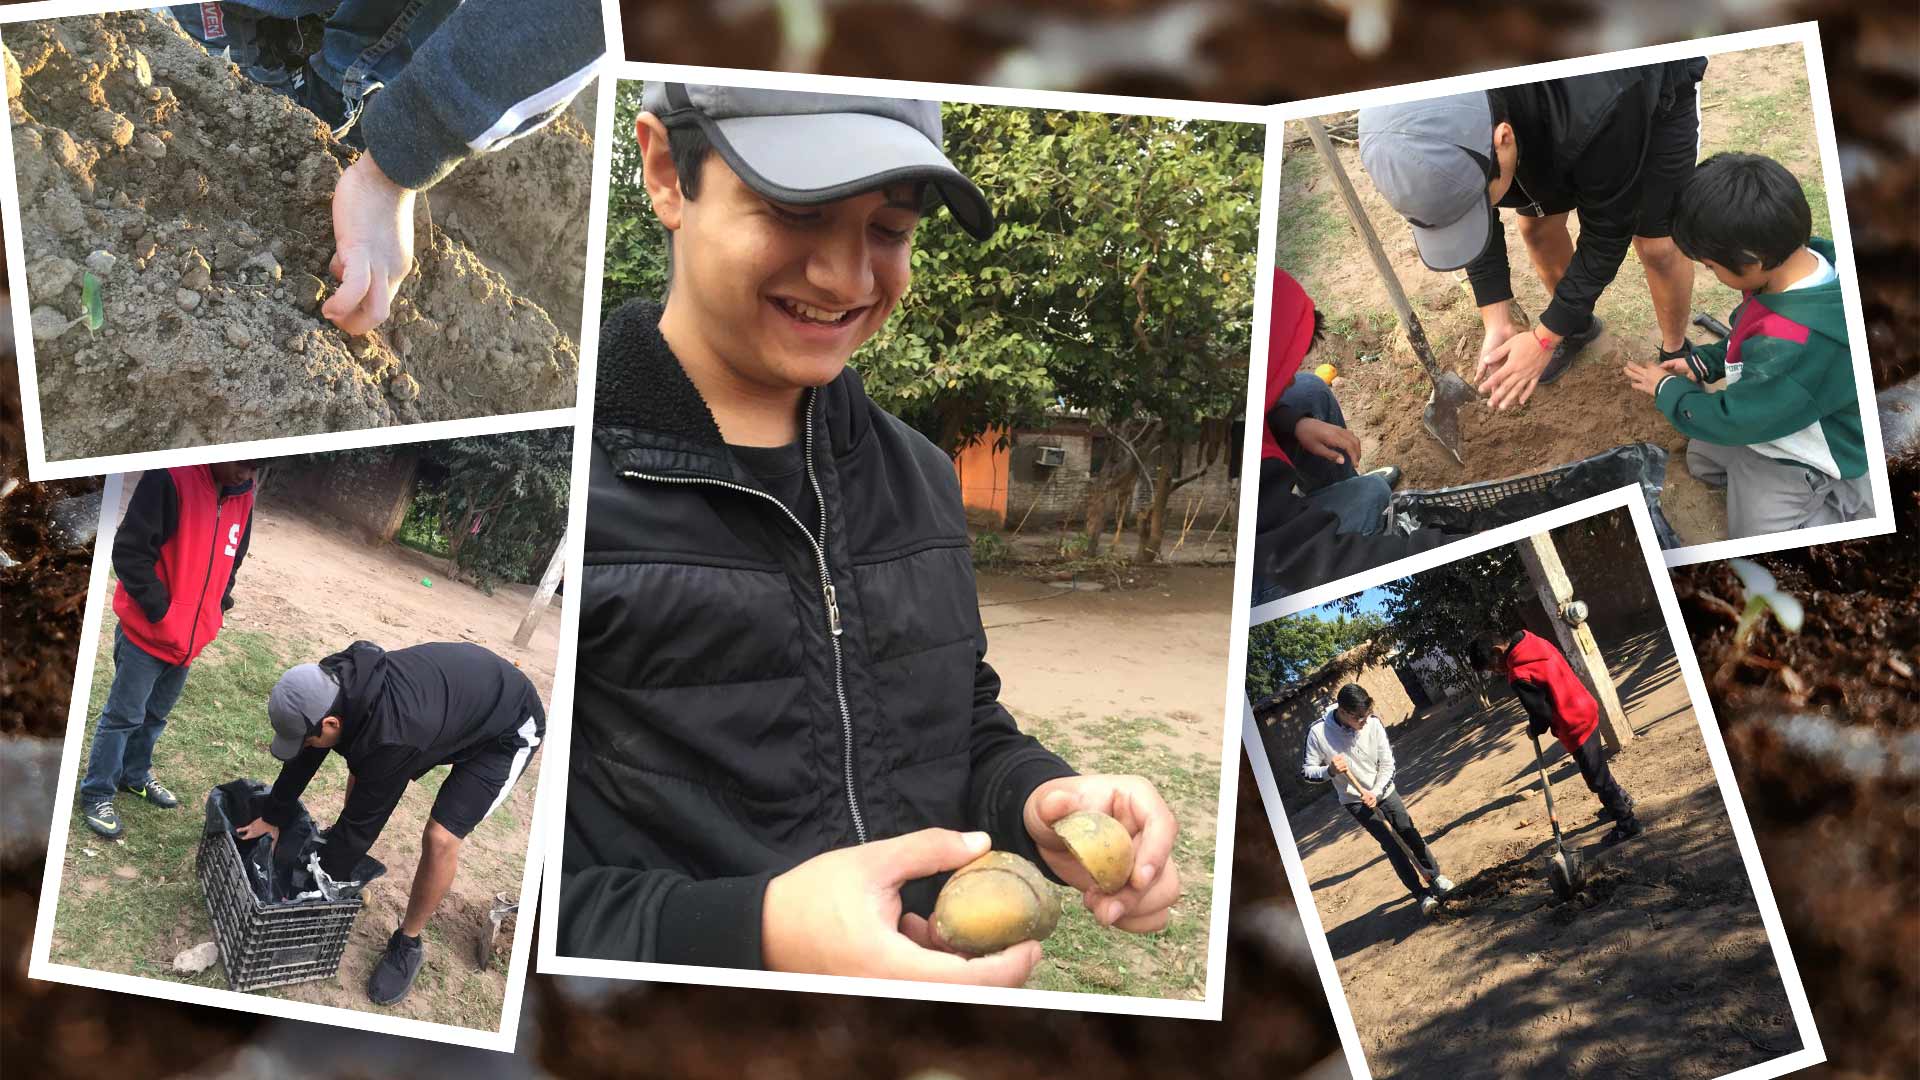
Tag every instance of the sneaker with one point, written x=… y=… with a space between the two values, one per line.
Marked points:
x=1442 y=884
x=393 y=975
x=153 y=792
x=1569 y=348
x=1429 y=905
x=1625 y=830
x=101 y=818
x=1389 y=473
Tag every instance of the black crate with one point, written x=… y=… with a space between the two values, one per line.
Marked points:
x=1642 y=463
x=264 y=944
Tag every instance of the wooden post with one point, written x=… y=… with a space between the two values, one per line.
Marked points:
x=1543 y=565
x=542 y=596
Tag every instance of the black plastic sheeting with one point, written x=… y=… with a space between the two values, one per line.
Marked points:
x=276 y=872
x=1636 y=463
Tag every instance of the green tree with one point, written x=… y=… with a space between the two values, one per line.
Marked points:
x=1282 y=652
x=1438 y=611
x=636 y=260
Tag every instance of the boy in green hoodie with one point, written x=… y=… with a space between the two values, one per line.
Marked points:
x=1782 y=434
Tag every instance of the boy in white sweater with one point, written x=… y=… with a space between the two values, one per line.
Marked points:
x=1350 y=742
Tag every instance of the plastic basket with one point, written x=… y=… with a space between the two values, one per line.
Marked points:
x=1491 y=502
x=264 y=944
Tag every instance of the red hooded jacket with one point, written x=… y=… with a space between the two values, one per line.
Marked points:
x=1290 y=335
x=1575 y=714
x=175 y=555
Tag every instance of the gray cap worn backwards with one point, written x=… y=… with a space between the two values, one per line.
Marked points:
x=807 y=148
x=299 y=700
x=1430 y=160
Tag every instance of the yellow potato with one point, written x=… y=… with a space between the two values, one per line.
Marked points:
x=1101 y=844
x=995 y=901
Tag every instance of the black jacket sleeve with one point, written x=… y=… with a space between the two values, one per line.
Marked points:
x=368 y=806
x=1533 y=698
x=295 y=775
x=1298 y=545
x=152 y=516
x=1008 y=765
x=239 y=556
x=1606 y=181
x=664 y=916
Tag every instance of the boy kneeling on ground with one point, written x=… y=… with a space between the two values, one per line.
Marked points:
x=1556 y=701
x=784 y=715
x=1783 y=434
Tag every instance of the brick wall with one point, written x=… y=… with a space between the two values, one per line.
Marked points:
x=370 y=496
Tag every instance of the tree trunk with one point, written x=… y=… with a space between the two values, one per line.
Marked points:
x=1110 y=488
x=1153 y=523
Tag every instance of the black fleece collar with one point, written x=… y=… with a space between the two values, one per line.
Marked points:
x=649 y=415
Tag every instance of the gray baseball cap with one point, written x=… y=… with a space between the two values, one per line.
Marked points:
x=1431 y=160
x=807 y=148
x=299 y=700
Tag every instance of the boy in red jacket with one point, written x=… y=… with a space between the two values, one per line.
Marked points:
x=1556 y=700
x=176 y=554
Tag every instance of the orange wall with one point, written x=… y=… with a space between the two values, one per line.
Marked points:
x=982 y=469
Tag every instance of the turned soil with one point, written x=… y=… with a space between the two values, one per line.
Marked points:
x=200 y=204
x=1659 y=967
x=1754 y=101
x=306 y=589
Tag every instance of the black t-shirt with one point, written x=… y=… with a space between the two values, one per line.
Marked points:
x=782 y=470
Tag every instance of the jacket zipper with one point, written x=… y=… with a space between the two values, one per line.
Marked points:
x=827 y=594
x=193 y=632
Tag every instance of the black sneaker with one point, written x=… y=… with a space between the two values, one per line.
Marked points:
x=1625 y=830
x=154 y=793
x=101 y=818
x=393 y=976
x=1569 y=348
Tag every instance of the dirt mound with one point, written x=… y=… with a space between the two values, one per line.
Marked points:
x=200 y=203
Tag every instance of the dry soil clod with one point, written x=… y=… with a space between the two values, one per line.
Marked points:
x=1101 y=844
x=995 y=901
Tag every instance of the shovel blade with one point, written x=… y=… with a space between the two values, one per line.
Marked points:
x=1563 y=873
x=1441 y=417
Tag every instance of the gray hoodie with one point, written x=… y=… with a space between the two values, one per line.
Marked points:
x=1369 y=757
x=494 y=71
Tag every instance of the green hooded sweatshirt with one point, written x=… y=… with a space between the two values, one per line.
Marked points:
x=1789 y=392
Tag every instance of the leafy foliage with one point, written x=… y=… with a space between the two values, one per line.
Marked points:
x=1438 y=611
x=636 y=260
x=1283 y=652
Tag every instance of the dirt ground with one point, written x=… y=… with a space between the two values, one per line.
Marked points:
x=1660 y=967
x=1755 y=101
x=309 y=585
x=200 y=203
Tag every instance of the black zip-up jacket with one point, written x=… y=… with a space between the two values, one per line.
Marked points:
x=403 y=712
x=1297 y=544
x=734 y=715
x=1583 y=144
x=153 y=515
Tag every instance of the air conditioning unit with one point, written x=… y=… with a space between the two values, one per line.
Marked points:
x=1051 y=456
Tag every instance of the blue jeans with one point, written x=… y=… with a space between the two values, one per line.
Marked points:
x=1360 y=502
x=366 y=43
x=143 y=692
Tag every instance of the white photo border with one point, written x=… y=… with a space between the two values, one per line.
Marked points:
x=1811 y=1051
x=559 y=744
x=1806 y=34
x=39 y=469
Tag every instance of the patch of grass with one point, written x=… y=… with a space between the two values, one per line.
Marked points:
x=1310 y=226
x=1083 y=956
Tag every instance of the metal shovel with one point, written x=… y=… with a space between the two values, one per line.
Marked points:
x=1442 y=415
x=1564 y=871
x=1425 y=881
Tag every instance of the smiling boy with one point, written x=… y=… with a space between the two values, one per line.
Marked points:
x=786 y=729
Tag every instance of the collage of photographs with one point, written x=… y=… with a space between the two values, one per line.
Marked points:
x=552 y=538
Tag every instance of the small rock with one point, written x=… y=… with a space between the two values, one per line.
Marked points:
x=64 y=214
x=50 y=277
x=197 y=959
x=501 y=357
x=404 y=387
x=237 y=111
x=101 y=262
x=142 y=71
x=48 y=323
x=187 y=299
x=62 y=148
x=286 y=176
x=197 y=275
x=113 y=127
x=266 y=264
x=238 y=336
x=298 y=343
x=13 y=77
x=149 y=145
x=153 y=93
x=120 y=200
x=308 y=292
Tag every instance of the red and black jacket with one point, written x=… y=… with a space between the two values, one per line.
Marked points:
x=1554 y=697
x=176 y=554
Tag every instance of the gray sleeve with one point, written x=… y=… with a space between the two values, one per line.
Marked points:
x=1314 y=769
x=1383 y=762
x=495 y=70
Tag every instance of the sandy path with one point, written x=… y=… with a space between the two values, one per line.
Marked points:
x=1662 y=969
